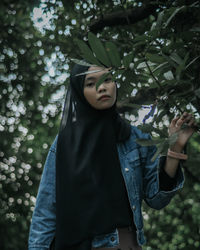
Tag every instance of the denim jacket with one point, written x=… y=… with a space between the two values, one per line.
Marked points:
x=141 y=177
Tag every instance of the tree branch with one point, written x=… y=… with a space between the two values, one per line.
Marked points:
x=126 y=17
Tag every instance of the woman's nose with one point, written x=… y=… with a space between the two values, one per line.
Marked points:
x=101 y=88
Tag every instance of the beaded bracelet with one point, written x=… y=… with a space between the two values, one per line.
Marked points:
x=176 y=155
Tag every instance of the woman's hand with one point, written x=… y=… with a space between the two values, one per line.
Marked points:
x=183 y=134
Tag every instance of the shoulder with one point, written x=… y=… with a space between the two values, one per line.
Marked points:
x=136 y=133
x=131 y=145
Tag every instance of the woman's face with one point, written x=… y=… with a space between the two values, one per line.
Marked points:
x=104 y=97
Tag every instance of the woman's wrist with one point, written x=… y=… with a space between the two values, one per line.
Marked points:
x=176 y=148
x=176 y=155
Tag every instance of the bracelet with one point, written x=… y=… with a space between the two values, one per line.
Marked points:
x=176 y=155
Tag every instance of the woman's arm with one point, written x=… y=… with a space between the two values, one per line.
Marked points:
x=171 y=164
x=154 y=195
x=42 y=229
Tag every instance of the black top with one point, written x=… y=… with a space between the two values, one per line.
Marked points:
x=88 y=169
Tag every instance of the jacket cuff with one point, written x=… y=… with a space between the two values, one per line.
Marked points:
x=167 y=183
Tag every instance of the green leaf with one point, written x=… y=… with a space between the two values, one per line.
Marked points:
x=143 y=65
x=176 y=58
x=87 y=53
x=113 y=54
x=98 y=49
x=159 y=150
x=195 y=4
x=90 y=72
x=191 y=62
x=163 y=65
x=81 y=62
x=127 y=59
x=143 y=38
x=102 y=79
x=160 y=19
x=159 y=116
x=136 y=63
x=125 y=89
x=169 y=60
x=181 y=67
x=143 y=42
x=125 y=86
x=173 y=15
x=161 y=69
x=155 y=58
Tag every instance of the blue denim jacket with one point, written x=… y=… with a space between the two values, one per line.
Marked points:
x=141 y=177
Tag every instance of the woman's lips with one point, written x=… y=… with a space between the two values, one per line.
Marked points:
x=104 y=97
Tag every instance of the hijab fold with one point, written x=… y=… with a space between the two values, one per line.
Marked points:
x=87 y=164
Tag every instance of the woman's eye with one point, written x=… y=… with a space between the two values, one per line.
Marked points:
x=90 y=84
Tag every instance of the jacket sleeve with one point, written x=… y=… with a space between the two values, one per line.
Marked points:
x=153 y=195
x=42 y=229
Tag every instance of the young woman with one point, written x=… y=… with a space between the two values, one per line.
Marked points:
x=96 y=175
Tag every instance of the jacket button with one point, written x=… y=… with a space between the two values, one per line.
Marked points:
x=112 y=238
x=126 y=169
x=133 y=207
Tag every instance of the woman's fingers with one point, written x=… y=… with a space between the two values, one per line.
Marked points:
x=185 y=118
x=179 y=123
x=182 y=119
x=176 y=125
x=173 y=122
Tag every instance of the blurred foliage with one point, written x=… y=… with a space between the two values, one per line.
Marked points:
x=160 y=54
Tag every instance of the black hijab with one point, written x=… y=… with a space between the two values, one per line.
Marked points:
x=86 y=162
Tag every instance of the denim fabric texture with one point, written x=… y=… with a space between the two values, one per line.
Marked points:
x=141 y=177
